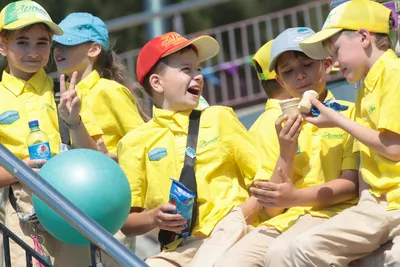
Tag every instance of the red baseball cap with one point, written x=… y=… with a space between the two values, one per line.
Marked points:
x=169 y=43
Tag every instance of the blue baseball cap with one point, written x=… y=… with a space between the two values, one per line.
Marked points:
x=289 y=40
x=81 y=28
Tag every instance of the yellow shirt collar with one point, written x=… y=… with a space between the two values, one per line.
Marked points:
x=16 y=85
x=89 y=81
x=272 y=104
x=376 y=71
x=168 y=118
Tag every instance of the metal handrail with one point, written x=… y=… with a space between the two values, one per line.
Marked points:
x=66 y=209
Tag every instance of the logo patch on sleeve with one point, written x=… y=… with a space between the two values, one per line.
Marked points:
x=9 y=117
x=157 y=154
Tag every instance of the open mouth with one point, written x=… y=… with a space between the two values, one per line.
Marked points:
x=58 y=59
x=195 y=90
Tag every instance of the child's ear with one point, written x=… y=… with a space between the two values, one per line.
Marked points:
x=279 y=80
x=94 y=50
x=365 y=37
x=328 y=64
x=3 y=48
x=155 y=82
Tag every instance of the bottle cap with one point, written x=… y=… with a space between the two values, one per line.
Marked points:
x=34 y=123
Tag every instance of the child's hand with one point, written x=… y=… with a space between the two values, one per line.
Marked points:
x=70 y=104
x=34 y=163
x=101 y=147
x=282 y=195
x=328 y=118
x=288 y=135
x=164 y=218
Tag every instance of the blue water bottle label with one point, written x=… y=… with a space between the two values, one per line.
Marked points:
x=40 y=151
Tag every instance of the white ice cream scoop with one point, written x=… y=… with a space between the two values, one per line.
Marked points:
x=305 y=104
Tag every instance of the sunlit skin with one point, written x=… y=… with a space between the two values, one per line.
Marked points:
x=179 y=86
x=72 y=58
x=298 y=73
x=352 y=54
x=27 y=52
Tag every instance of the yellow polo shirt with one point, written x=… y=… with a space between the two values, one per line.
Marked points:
x=23 y=101
x=321 y=157
x=113 y=106
x=226 y=162
x=377 y=107
x=261 y=126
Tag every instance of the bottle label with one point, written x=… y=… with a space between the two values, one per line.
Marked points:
x=40 y=151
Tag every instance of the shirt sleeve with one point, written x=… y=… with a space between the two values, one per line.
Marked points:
x=243 y=149
x=264 y=137
x=389 y=99
x=132 y=162
x=89 y=121
x=123 y=108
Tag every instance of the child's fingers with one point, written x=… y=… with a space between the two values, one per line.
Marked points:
x=278 y=123
x=295 y=127
x=62 y=84
x=73 y=81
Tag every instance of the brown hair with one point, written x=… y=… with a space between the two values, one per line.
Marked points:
x=271 y=88
x=159 y=67
x=8 y=35
x=109 y=66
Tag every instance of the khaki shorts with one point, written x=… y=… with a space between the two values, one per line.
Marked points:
x=196 y=251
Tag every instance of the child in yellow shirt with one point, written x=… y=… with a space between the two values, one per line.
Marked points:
x=356 y=35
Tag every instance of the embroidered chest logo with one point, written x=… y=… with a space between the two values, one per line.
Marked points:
x=157 y=153
x=333 y=135
x=44 y=106
x=371 y=109
x=9 y=117
x=204 y=143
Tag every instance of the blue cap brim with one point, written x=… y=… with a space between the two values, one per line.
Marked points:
x=69 y=39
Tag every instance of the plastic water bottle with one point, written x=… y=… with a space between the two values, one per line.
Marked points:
x=38 y=142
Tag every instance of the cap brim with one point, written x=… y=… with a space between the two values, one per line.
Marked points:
x=69 y=40
x=313 y=47
x=207 y=47
x=21 y=23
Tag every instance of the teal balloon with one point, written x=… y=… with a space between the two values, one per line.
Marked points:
x=94 y=183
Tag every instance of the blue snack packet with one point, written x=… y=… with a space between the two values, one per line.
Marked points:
x=331 y=103
x=183 y=199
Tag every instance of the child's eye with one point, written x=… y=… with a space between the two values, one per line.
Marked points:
x=287 y=71
x=186 y=69
x=307 y=64
x=199 y=69
x=22 y=42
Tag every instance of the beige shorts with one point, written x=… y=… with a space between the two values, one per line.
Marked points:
x=196 y=251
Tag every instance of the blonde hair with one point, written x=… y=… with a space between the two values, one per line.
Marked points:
x=109 y=66
x=382 y=40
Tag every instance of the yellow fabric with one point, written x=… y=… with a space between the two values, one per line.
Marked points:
x=351 y=15
x=30 y=100
x=322 y=155
x=377 y=107
x=262 y=58
x=263 y=126
x=226 y=162
x=113 y=106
